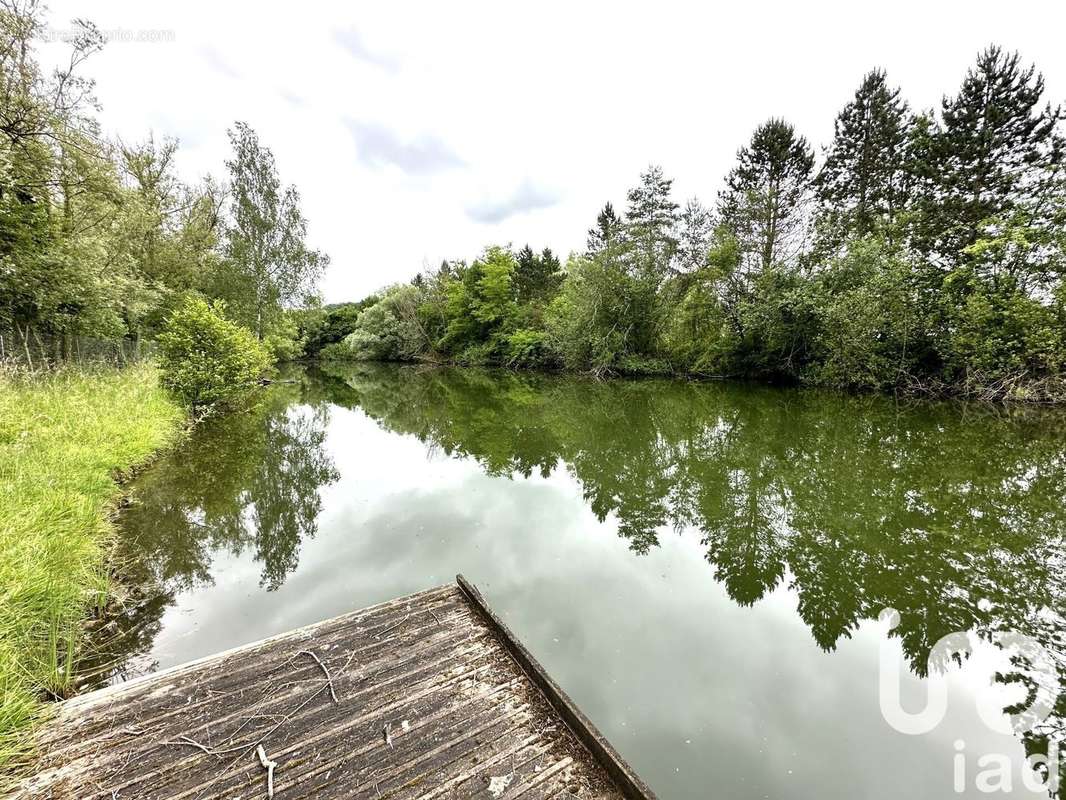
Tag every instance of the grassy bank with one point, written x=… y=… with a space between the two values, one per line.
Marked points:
x=64 y=438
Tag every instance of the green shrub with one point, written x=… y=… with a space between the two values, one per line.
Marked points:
x=528 y=348
x=697 y=336
x=283 y=340
x=282 y=349
x=321 y=327
x=206 y=360
x=479 y=303
x=388 y=330
x=377 y=335
x=336 y=351
x=997 y=334
x=632 y=364
x=600 y=313
x=868 y=332
x=478 y=355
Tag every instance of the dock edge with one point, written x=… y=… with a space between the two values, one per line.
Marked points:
x=601 y=749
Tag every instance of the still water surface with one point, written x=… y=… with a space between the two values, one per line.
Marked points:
x=701 y=566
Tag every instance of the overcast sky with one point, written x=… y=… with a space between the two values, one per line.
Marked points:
x=416 y=132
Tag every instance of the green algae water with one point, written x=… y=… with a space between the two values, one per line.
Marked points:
x=703 y=567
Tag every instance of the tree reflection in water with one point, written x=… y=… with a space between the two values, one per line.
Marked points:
x=245 y=481
x=951 y=514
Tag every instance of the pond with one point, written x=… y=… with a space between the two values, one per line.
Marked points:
x=703 y=567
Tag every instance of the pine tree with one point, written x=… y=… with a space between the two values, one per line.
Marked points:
x=764 y=202
x=694 y=242
x=536 y=276
x=862 y=187
x=651 y=224
x=990 y=161
x=608 y=231
x=551 y=271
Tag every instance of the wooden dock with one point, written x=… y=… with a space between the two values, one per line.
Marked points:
x=427 y=696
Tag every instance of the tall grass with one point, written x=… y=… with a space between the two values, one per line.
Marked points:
x=64 y=439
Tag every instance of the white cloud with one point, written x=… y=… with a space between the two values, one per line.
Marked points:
x=378 y=146
x=526 y=197
x=352 y=41
x=218 y=63
x=582 y=96
x=291 y=97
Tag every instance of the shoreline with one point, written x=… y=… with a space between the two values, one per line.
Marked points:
x=70 y=443
x=917 y=393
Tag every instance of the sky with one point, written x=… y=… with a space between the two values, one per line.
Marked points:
x=421 y=131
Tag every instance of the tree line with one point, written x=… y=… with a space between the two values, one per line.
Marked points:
x=919 y=251
x=100 y=238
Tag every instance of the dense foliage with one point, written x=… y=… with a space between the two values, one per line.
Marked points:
x=920 y=252
x=320 y=328
x=99 y=238
x=205 y=359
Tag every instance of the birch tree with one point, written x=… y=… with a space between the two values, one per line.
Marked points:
x=268 y=263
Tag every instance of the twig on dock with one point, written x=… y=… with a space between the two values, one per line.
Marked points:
x=248 y=748
x=388 y=736
x=433 y=614
x=329 y=678
x=187 y=742
x=129 y=730
x=351 y=655
x=269 y=766
x=391 y=628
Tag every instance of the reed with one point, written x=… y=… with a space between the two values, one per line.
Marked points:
x=66 y=439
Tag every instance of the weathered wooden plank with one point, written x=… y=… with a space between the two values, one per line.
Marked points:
x=422 y=697
x=503 y=768
x=624 y=776
x=308 y=730
x=429 y=722
x=208 y=706
x=416 y=751
x=246 y=667
x=361 y=725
